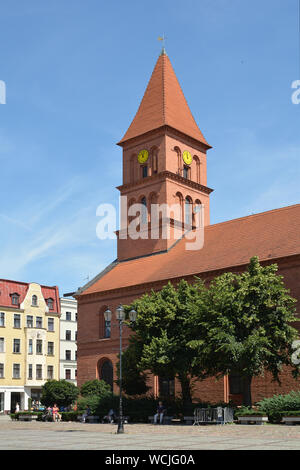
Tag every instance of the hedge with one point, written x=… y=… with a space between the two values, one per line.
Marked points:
x=273 y=406
x=249 y=412
x=26 y=413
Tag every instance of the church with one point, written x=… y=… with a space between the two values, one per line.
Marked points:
x=164 y=162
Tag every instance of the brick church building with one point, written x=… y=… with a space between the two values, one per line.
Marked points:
x=164 y=161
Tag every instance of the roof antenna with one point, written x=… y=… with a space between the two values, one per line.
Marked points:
x=163 y=39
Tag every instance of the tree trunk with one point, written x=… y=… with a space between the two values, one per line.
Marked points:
x=247 y=399
x=185 y=391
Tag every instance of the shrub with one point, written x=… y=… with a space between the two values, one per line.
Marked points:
x=26 y=413
x=61 y=392
x=95 y=388
x=290 y=413
x=249 y=412
x=70 y=415
x=91 y=401
x=275 y=405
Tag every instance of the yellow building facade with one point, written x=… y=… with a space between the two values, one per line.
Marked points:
x=29 y=342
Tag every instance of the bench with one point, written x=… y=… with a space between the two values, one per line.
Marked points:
x=252 y=419
x=28 y=417
x=188 y=419
x=92 y=419
x=166 y=419
x=291 y=420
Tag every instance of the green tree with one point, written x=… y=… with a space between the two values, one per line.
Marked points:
x=61 y=392
x=246 y=326
x=134 y=380
x=95 y=387
x=162 y=333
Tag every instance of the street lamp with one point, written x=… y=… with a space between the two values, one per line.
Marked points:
x=120 y=315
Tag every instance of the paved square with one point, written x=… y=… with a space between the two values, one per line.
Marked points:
x=16 y=435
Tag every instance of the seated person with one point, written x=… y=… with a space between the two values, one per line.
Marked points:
x=110 y=417
x=55 y=413
x=160 y=413
x=86 y=414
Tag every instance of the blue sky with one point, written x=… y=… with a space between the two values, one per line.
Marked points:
x=75 y=73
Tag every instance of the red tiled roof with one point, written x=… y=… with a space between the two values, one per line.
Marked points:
x=163 y=104
x=268 y=235
x=8 y=287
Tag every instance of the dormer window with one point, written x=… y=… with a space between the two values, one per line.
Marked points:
x=34 y=301
x=15 y=298
x=50 y=303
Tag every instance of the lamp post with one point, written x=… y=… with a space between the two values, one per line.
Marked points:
x=120 y=315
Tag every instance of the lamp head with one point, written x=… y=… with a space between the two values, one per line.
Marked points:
x=107 y=315
x=120 y=313
x=132 y=315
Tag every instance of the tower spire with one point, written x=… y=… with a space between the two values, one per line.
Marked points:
x=164 y=104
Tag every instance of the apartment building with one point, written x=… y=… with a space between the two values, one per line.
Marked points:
x=29 y=341
x=68 y=339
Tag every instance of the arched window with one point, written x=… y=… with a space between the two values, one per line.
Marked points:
x=188 y=206
x=132 y=163
x=34 y=301
x=50 y=303
x=144 y=171
x=186 y=172
x=197 y=215
x=154 y=160
x=144 y=214
x=106 y=372
x=179 y=161
x=107 y=328
x=196 y=169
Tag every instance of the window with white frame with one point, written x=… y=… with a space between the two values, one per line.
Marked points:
x=39 y=371
x=50 y=374
x=2 y=343
x=68 y=355
x=68 y=335
x=2 y=319
x=29 y=371
x=50 y=324
x=17 y=346
x=39 y=346
x=16 y=371
x=39 y=322
x=29 y=321
x=50 y=348
x=1 y=371
x=30 y=346
x=69 y=316
x=17 y=320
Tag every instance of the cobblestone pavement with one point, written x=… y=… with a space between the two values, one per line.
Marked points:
x=79 y=436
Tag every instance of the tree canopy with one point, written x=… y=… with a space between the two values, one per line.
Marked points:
x=240 y=323
x=61 y=392
x=95 y=387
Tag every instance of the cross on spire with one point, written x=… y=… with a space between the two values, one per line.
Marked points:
x=163 y=39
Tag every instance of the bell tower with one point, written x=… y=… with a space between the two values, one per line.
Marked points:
x=164 y=162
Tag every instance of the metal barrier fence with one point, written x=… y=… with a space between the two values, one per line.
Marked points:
x=217 y=415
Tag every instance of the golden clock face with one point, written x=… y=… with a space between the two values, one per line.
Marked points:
x=143 y=156
x=187 y=157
